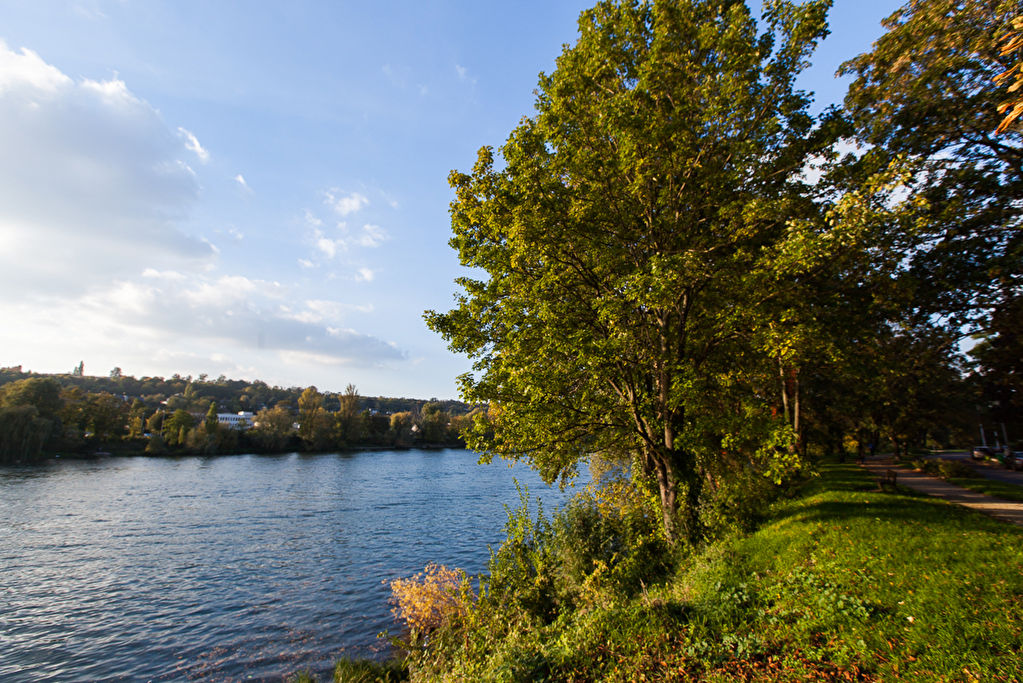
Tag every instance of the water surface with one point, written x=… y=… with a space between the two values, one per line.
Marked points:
x=229 y=568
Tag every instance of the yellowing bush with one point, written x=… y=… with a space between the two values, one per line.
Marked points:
x=429 y=599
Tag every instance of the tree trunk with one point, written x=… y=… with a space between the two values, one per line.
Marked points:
x=784 y=390
x=668 y=490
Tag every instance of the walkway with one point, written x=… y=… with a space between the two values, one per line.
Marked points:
x=1006 y=510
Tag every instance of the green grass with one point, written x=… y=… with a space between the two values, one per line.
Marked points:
x=843 y=582
x=358 y=671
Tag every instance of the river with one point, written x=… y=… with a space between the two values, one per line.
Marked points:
x=234 y=567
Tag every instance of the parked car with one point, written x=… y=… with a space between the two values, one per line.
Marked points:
x=1014 y=461
x=982 y=452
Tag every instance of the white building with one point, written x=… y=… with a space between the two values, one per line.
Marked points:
x=242 y=420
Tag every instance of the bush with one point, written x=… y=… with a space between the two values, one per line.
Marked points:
x=953 y=469
x=521 y=574
x=736 y=502
x=607 y=544
x=946 y=469
x=429 y=599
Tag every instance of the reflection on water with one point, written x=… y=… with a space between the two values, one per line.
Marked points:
x=231 y=568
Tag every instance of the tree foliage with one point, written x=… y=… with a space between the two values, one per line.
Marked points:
x=638 y=239
x=1012 y=79
x=926 y=97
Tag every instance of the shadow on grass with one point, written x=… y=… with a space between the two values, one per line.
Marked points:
x=844 y=493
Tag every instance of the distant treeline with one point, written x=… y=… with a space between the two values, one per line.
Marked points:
x=47 y=414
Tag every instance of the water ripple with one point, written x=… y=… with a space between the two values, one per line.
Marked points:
x=233 y=568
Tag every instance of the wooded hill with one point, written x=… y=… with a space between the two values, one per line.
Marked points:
x=73 y=413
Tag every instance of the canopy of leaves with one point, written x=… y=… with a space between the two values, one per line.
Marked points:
x=644 y=226
x=927 y=96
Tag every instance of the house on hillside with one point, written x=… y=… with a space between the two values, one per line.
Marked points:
x=241 y=420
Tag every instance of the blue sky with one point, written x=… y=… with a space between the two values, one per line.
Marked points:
x=259 y=189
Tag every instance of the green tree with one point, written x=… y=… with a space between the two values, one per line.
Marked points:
x=643 y=225
x=273 y=427
x=154 y=423
x=136 y=420
x=434 y=423
x=926 y=97
x=920 y=388
x=999 y=368
x=22 y=433
x=315 y=424
x=42 y=392
x=212 y=422
x=401 y=428
x=106 y=415
x=32 y=411
x=156 y=444
x=349 y=422
x=175 y=427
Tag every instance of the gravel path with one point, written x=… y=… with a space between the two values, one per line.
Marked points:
x=1006 y=510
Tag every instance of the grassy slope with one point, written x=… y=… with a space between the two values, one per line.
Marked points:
x=844 y=582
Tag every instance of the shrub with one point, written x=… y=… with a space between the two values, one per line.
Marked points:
x=607 y=543
x=429 y=599
x=736 y=502
x=952 y=469
x=946 y=469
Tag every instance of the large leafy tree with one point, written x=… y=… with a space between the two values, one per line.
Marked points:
x=642 y=242
x=926 y=98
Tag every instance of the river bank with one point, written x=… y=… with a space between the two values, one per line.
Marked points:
x=841 y=582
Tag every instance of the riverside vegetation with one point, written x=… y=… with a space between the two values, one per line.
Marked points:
x=836 y=581
x=677 y=267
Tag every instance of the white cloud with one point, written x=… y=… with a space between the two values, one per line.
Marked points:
x=398 y=76
x=372 y=236
x=92 y=13
x=92 y=182
x=228 y=314
x=311 y=220
x=192 y=145
x=323 y=311
x=23 y=72
x=326 y=246
x=164 y=275
x=463 y=74
x=364 y=275
x=95 y=192
x=345 y=204
x=368 y=236
x=115 y=93
x=229 y=289
x=240 y=179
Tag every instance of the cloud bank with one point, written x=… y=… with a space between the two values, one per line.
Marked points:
x=96 y=191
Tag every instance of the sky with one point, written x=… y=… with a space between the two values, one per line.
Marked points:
x=259 y=189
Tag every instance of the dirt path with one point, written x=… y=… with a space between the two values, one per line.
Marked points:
x=1006 y=510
